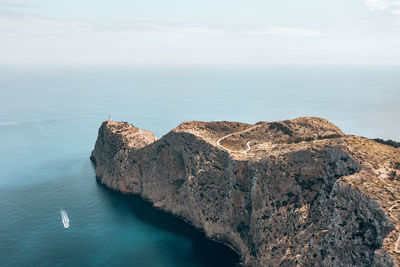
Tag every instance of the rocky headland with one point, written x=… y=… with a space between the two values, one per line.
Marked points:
x=289 y=193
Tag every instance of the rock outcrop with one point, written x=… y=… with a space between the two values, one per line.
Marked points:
x=287 y=193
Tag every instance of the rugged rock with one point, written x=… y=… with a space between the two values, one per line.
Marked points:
x=303 y=194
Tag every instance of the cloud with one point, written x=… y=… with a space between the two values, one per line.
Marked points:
x=27 y=39
x=284 y=31
x=31 y=39
x=8 y=5
x=382 y=5
x=26 y=24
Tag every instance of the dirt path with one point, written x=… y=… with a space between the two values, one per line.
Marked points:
x=236 y=151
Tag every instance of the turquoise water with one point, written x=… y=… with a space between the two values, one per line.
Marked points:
x=48 y=126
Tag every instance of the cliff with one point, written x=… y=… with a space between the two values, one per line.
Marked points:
x=287 y=193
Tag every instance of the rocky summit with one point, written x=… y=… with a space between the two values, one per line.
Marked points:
x=288 y=193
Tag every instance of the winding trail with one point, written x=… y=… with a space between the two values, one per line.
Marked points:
x=397 y=245
x=229 y=135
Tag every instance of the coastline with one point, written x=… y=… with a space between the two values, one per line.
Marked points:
x=232 y=197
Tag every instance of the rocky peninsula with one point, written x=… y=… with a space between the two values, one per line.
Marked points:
x=288 y=193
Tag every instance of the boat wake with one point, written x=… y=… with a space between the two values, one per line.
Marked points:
x=64 y=218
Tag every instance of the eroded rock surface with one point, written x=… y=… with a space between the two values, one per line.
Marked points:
x=305 y=194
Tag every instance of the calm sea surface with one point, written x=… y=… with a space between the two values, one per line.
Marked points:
x=48 y=126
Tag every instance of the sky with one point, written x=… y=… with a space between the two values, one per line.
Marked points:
x=180 y=32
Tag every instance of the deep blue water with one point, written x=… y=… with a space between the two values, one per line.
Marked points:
x=48 y=126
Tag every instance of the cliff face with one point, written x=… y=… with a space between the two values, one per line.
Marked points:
x=286 y=193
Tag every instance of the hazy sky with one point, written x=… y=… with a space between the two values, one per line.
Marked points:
x=160 y=32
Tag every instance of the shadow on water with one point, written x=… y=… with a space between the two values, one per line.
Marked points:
x=207 y=252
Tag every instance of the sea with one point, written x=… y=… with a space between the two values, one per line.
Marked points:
x=49 y=118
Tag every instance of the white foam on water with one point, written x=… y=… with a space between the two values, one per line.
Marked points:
x=64 y=218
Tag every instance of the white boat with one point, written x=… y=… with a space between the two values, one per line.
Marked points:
x=64 y=218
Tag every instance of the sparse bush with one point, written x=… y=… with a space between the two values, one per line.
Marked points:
x=388 y=142
x=281 y=127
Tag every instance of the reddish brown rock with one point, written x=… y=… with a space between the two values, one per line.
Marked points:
x=303 y=194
